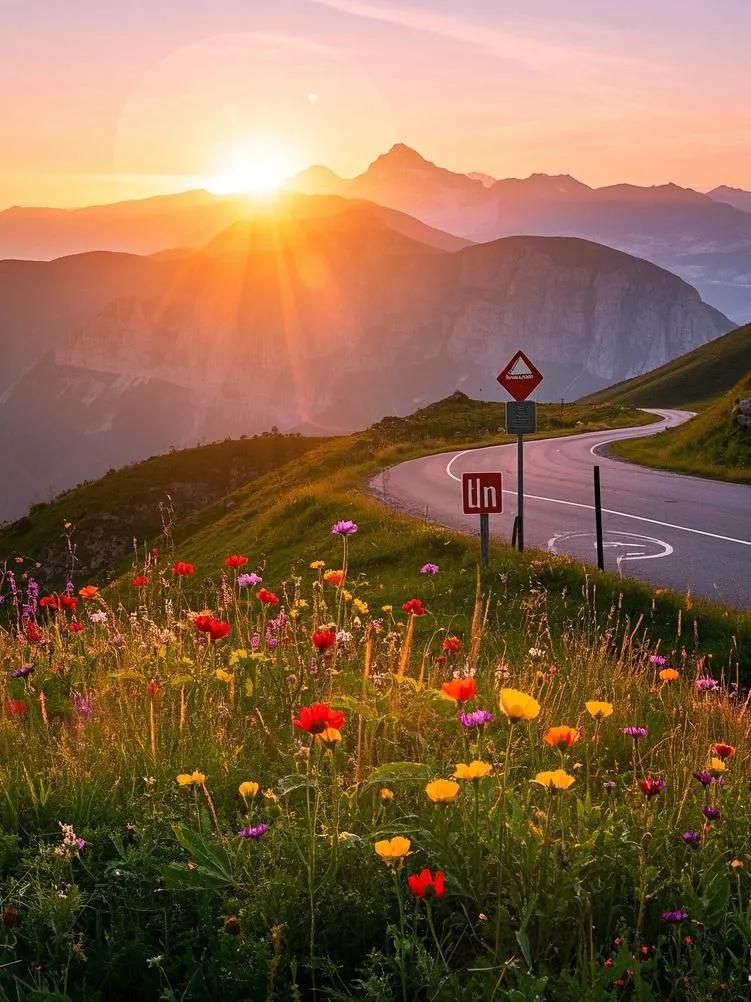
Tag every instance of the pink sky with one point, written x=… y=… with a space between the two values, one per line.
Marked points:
x=110 y=100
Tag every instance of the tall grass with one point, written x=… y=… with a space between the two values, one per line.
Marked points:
x=549 y=895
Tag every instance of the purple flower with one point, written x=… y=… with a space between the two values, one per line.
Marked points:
x=248 y=580
x=635 y=732
x=691 y=838
x=679 y=915
x=658 y=659
x=705 y=777
x=344 y=528
x=711 y=813
x=23 y=672
x=429 y=569
x=83 y=705
x=705 y=684
x=477 y=718
x=254 y=831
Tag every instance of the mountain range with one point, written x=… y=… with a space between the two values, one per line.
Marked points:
x=704 y=238
x=319 y=313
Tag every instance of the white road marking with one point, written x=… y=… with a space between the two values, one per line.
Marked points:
x=665 y=551
x=589 y=507
x=638 y=518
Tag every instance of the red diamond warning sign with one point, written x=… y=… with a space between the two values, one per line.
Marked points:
x=520 y=377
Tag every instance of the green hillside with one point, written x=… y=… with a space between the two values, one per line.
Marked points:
x=278 y=527
x=703 y=446
x=85 y=530
x=692 y=380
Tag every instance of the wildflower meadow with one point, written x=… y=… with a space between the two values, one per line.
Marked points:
x=214 y=783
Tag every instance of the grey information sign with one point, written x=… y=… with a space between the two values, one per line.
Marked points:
x=521 y=417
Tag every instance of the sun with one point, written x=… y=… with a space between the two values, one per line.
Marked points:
x=256 y=169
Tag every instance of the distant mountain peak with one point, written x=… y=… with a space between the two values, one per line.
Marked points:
x=401 y=158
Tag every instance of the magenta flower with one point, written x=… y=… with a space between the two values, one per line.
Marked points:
x=658 y=659
x=705 y=778
x=650 y=787
x=679 y=915
x=249 y=580
x=477 y=718
x=429 y=569
x=711 y=813
x=344 y=528
x=23 y=672
x=254 y=831
x=705 y=684
x=691 y=838
x=636 y=732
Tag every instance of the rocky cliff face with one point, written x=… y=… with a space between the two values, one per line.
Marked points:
x=326 y=325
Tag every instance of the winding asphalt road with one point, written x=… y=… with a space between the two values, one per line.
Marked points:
x=670 y=530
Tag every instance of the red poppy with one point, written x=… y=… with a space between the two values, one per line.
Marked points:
x=76 y=627
x=183 y=568
x=424 y=881
x=215 y=628
x=33 y=634
x=48 y=602
x=68 y=602
x=267 y=597
x=235 y=560
x=650 y=787
x=152 y=688
x=414 y=607
x=722 y=750
x=452 y=644
x=323 y=639
x=460 y=689
x=317 y=718
x=140 y=581
x=18 y=707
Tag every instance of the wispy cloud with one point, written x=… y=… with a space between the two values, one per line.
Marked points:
x=510 y=44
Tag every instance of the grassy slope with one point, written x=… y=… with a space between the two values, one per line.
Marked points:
x=702 y=447
x=134 y=502
x=694 y=379
x=279 y=528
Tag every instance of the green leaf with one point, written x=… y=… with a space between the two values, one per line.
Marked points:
x=212 y=859
x=295 y=781
x=399 y=772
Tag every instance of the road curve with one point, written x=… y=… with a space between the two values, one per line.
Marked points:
x=670 y=530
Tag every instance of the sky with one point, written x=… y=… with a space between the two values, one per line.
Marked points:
x=105 y=100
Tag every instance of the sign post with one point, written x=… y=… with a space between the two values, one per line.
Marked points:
x=519 y=378
x=482 y=494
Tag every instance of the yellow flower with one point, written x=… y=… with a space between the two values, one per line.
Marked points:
x=187 y=661
x=386 y=794
x=248 y=789
x=736 y=864
x=317 y=564
x=669 y=675
x=518 y=705
x=301 y=603
x=362 y=607
x=237 y=655
x=598 y=710
x=442 y=791
x=222 y=675
x=189 y=778
x=391 y=850
x=346 y=595
x=557 y=779
x=387 y=608
x=716 y=765
x=330 y=736
x=475 y=770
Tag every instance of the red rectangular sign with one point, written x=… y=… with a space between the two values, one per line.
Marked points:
x=482 y=493
x=520 y=376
